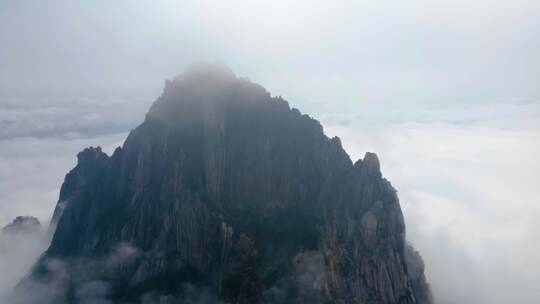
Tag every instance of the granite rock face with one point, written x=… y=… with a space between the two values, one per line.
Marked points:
x=225 y=194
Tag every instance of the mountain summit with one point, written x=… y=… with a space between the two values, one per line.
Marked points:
x=22 y=225
x=224 y=194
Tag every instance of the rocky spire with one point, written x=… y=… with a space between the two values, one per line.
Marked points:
x=90 y=165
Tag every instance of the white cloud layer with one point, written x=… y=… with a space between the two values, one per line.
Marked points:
x=68 y=117
x=17 y=255
x=33 y=169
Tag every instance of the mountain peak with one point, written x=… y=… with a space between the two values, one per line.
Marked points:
x=23 y=224
x=203 y=89
x=369 y=165
x=371 y=161
x=89 y=154
x=227 y=189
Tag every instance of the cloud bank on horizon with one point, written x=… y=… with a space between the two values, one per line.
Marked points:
x=446 y=92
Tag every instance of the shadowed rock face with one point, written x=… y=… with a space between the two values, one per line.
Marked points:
x=226 y=194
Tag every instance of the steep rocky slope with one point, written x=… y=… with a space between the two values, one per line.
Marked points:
x=226 y=194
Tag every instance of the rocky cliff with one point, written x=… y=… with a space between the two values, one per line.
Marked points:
x=226 y=194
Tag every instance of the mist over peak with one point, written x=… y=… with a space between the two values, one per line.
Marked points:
x=209 y=90
x=205 y=71
x=21 y=243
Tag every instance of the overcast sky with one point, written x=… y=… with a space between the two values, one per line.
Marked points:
x=446 y=92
